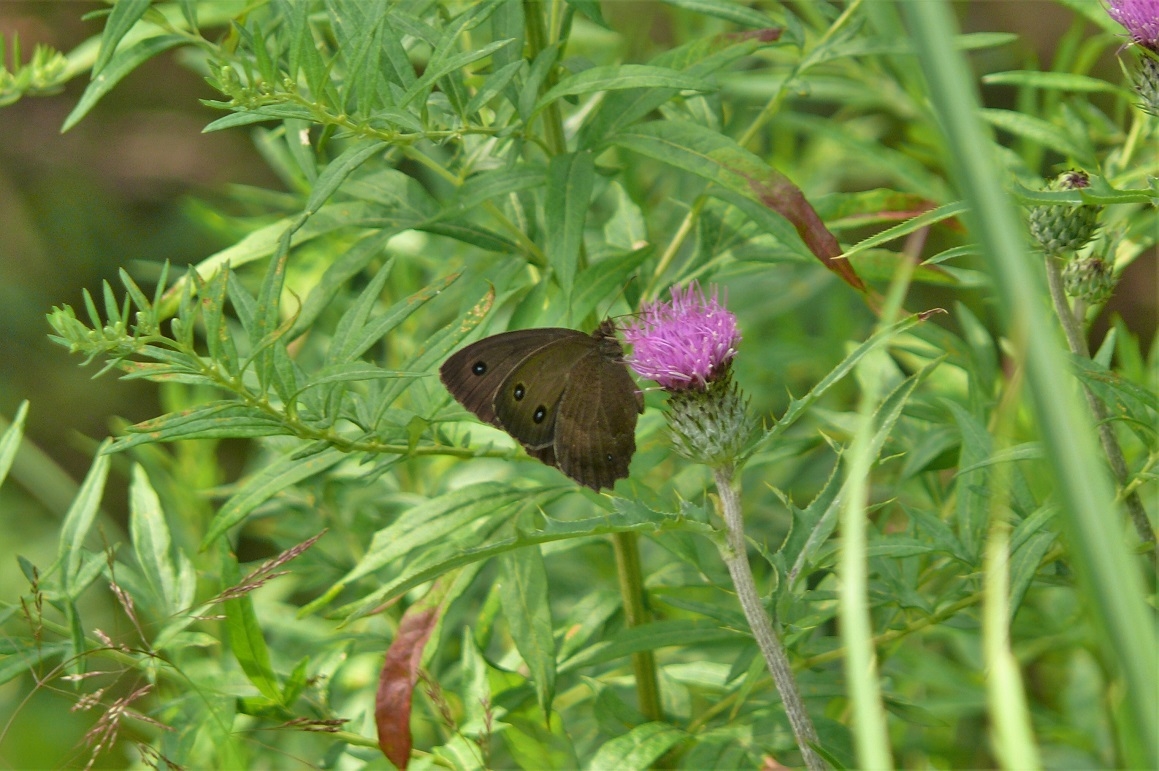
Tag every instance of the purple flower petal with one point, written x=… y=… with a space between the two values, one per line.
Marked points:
x=1140 y=17
x=683 y=344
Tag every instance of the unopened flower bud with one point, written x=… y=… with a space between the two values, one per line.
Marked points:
x=1061 y=228
x=1090 y=279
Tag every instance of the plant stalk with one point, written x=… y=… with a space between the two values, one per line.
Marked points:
x=777 y=660
x=631 y=579
x=1077 y=343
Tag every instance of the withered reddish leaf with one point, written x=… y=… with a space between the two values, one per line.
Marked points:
x=785 y=198
x=718 y=158
x=392 y=704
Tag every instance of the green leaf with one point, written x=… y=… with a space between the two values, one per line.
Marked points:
x=601 y=280
x=246 y=641
x=80 y=516
x=727 y=10
x=626 y=228
x=265 y=484
x=529 y=91
x=121 y=65
x=492 y=185
x=214 y=420
x=1041 y=133
x=19 y=658
x=338 y=170
x=492 y=87
x=700 y=59
x=447 y=66
x=463 y=551
x=766 y=219
x=940 y=214
x=972 y=510
x=885 y=418
x=218 y=338
x=591 y=9
x=638 y=749
x=362 y=337
x=125 y=14
x=617 y=77
x=798 y=407
x=534 y=745
x=432 y=521
x=1055 y=81
x=336 y=278
x=528 y=612
x=10 y=441
x=152 y=544
x=658 y=634
x=570 y=179
x=1024 y=563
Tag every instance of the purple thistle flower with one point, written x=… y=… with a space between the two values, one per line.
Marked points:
x=684 y=344
x=1140 y=17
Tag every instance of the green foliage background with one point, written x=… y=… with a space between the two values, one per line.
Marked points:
x=448 y=170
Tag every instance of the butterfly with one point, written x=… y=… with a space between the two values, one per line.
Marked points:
x=565 y=395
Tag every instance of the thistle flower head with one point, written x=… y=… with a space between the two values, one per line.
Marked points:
x=687 y=346
x=1140 y=17
x=686 y=343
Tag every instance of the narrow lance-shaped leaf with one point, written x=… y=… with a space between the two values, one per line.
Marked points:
x=638 y=749
x=10 y=441
x=392 y=704
x=124 y=15
x=619 y=77
x=528 y=613
x=80 y=516
x=246 y=640
x=259 y=488
x=151 y=541
x=570 y=179
x=121 y=65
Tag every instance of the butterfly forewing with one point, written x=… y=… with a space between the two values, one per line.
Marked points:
x=527 y=401
x=597 y=415
x=473 y=375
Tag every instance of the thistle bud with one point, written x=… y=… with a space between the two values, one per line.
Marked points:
x=1146 y=82
x=1061 y=228
x=1090 y=279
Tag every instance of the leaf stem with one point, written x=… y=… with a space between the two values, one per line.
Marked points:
x=736 y=558
x=1077 y=343
x=627 y=548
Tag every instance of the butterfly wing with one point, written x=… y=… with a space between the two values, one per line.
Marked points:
x=527 y=401
x=595 y=431
x=473 y=374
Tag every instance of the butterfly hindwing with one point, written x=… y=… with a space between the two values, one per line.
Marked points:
x=597 y=416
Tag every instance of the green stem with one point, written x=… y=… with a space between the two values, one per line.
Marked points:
x=736 y=558
x=631 y=580
x=537 y=41
x=1077 y=343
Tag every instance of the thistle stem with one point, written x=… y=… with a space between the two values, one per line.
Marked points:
x=777 y=660
x=1077 y=343
x=631 y=581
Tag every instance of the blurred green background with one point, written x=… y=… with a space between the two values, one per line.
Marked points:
x=135 y=184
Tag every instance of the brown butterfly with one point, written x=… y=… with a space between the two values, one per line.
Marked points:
x=566 y=396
